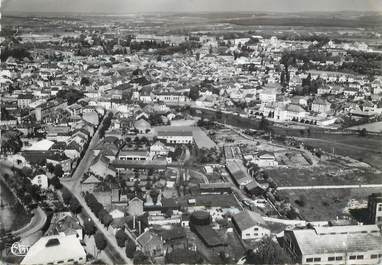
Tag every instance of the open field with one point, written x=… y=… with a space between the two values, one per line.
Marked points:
x=323 y=175
x=368 y=149
x=321 y=205
x=370 y=127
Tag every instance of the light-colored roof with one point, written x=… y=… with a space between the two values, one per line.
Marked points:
x=91 y=117
x=43 y=145
x=338 y=239
x=91 y=180
x=238 y=171
x=69 y=247
x=142 y=124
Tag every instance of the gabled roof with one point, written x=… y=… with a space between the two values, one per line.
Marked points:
x=91 y=179
x=147 y=238
x=73 y=145
x=100 y=159
x=248 y=219
x=141 y=123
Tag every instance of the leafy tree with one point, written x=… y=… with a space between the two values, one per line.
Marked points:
x=66 y=196
x=75 y=206
x=264 y=124
x=100 y=214
x=58 y=172
x=85 y=81
x=140 y=258
x=107 y=219
x=130 y=249
x=89 y=227
x=148 y=185
x=363 y=132
x=50 y=167
x=121 y=238
x=55 y=182
x=268 y=252
x=100 y=241
x=194 y=93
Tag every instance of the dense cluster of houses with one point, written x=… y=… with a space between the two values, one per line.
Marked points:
x=131 y=168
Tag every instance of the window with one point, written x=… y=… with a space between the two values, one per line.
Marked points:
x=256 y=228
x=374 y=256
x=352 y=257
x=379 y=255
x=309 y=260
x=338 y=258
x=247 y=234
x=379 y=218
x=360 y=257
x=331 y=258
x=70 y=260
x=317 y=259
x=61 y=261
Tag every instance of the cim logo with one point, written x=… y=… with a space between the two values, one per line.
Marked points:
x=19 y=249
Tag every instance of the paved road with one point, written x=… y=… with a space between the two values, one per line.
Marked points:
x=85 y=162
x=325 y=187
x=74 y=186
x=100 y=227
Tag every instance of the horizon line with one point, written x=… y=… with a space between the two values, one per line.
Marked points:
x=87 y=13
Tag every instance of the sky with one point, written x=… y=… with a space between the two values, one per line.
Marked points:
x=134 y=6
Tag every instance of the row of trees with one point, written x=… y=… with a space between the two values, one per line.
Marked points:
x=71 y=201
x=106 y=124
x=98 y=209
x=123 y=240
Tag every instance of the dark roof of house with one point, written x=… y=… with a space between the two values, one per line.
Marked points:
x=59 y=146
x=209 y=236
x=57 y=156
x=73 y=145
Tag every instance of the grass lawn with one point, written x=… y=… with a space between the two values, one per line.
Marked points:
x=323 y=205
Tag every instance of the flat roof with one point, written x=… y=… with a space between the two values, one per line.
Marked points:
x=43 y=145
